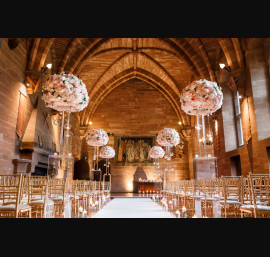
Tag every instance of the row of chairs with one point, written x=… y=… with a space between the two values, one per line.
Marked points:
x=232 y=196
x=45 y=197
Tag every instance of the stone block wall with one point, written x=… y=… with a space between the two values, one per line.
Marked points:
x=12 y=67
x=12 y=76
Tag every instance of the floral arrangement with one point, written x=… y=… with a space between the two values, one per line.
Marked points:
x=107 y=152
x=65 y=92
x=156 y=152
x=97 y=137
x=168 y=137
x=201 y=97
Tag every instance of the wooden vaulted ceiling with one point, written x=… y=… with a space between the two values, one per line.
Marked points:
x=168 y=64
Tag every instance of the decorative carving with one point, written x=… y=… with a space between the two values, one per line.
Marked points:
x=20 y=117
x=32 y=80
x=186 y=133
x=46 y=115
x=231 y=83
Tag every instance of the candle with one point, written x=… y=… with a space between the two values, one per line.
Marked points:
x=80 y=212
x=177 y=214
x=170 y=203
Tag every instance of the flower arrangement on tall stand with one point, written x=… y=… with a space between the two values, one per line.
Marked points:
x=156 y=152
x=168 y=137
x=96 y=138
x=201 y=98
x=65 y=93
x=107 y=152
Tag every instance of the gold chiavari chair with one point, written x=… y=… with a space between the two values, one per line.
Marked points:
x=74 y=197
x=105 y=191
x=98 y=191
x=179 y=192
x=210 y=195
x=258 y=200
x=189 y=192
x=231 y=200
x=38 y=197
x=198 y=193
x=175 y=195
x=57 y=193
x=88 y=191
x=168 y=194
x=92 y=193
x=81 y=189
x=11 y=193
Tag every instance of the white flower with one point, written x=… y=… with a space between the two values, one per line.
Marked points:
x=107 y=152
x=201 y=97
x=61 y=93
x=156 y=152
x=168 y=137
x=97 y=137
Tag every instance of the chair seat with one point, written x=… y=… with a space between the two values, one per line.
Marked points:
x=23 y=201
x=231 y=202
x=259 y=207
x=230 y=198
x=212 y=198
x=40 y=202
x=12 y=207
x=72 y=196
x=257 y=202
x=58 y=198
x=10 y=202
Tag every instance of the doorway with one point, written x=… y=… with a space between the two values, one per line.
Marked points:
x=235 y=166
x=98 y=176
x=268 y=155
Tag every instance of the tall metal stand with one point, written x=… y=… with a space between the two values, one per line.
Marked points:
x=198 y=128
x=204 y=139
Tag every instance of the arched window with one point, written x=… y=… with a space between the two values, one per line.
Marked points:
x=229 y=118
x=258 y=59
x=238 y=121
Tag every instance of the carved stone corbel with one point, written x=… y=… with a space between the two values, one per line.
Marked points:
x=185 y=133
x=32 y=80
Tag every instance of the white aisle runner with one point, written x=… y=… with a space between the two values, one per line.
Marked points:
x=132 y=208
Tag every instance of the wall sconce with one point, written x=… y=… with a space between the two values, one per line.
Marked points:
x=31 y=85
x=180 y=123
x=48 y=67
x=223 y=66
x=90 y=123
x=23 y=91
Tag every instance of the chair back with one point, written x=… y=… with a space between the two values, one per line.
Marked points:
x=231 y=187
x=259 y=188
x=57 y=187
x=11 y=189
x=37 y=188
